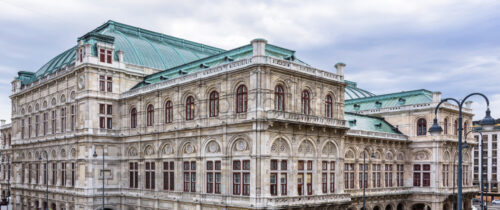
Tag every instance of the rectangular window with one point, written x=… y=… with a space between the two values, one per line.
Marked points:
x=37 y=173
x=426 y=175
x=150 y=175
x=376 y=175
x=445 y=175
x=109 y=82
x=102 y=55
x=29 y=127
x=109 y=123
x=241 y=177
x=421 y=175
x=134 y=175
x=349 y=175
x=63 y=120
x=305 y=179
x=363 y=178
x=54 y=120
x=29 y=173
x=189 y=176
x=63 y=174
x=102 y=83
x=37 y=125
x=54 y=174
x=102 y=122
x=109 y=56
x=213 y=176
x=73 y=117
x=106 y=116
x=168 y=175
x=22 y=173
x=45 y=175
x=324 y=177
x=22 y=128
x=45 y=123
x=72 y=174
x=328 y=176
x=279 y=177
x=388 y=175
x=400 y=175
x=274 y=184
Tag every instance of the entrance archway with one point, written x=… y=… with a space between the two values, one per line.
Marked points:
x=420 y=206
x=376 y=208
x=400 y=207
x=388 y=207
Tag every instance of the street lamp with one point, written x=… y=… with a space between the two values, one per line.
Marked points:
x=481 y=165
x=364 y=176
x=95 y=155
x=487 y=123
x=46 y=180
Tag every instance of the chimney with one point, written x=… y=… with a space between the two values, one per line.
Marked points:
x=436 y=97
x=259 y=47
x=340 y=68
x=468 y=104
x=2 y=122
x=120 y=55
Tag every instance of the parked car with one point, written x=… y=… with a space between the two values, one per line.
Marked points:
x=495 y=202
x=476 y=201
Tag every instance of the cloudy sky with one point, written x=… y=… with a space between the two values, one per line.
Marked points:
x=388 y=45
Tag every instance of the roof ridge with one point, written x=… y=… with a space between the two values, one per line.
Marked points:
x=152 y=33
x=390 y=95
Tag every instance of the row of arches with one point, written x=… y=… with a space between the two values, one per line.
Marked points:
x=241 y=105
x=279 y=147
x=55 y=101
x=422 y=126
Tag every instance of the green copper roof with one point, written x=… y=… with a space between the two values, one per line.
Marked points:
x=242 y=52
x=353 y=92
x=141 y=47
x=369 y=123
x=389 y=100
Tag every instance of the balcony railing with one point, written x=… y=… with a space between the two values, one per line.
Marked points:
x=307 y=119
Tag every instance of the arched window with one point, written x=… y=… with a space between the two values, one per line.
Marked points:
x=445 y=126
x=421 y=127
x=455 y=127
x=214 y=104
x=279 y=98
x=150 y=115
x=169 y=112
x=329 y=106
x=133 y=118
x=241 y=99
x=190 y=108
x=306 y=102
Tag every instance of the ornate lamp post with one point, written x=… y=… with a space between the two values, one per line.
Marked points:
x=481 y=165
x=364 y=176
x=95 y=155
x=46 y=180
x=487 y=123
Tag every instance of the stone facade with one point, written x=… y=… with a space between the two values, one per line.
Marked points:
x=251 y=153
